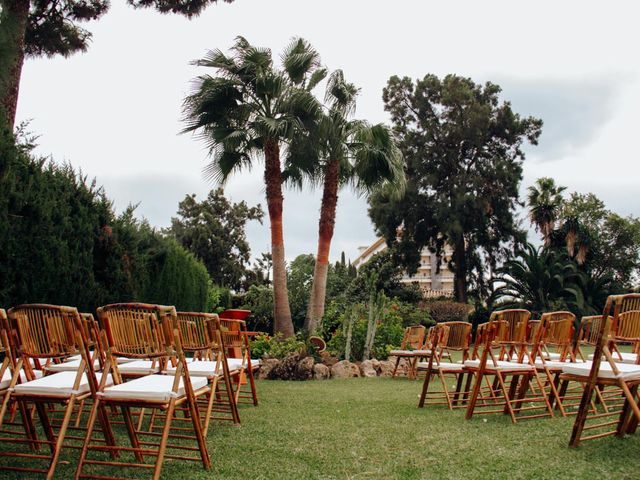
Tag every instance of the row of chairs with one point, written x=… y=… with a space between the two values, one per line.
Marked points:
x=159 y=375
x=539 y=368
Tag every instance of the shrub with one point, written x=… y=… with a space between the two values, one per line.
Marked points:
x=388 y=336
x=259 y=299
x=447 y=311
x=278 y=347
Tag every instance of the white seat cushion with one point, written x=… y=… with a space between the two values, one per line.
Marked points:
x=627 y=357
x=138 y=367
x=442 y=366
x=627 y=372
x=56 y=385
x=399 y=353
x=550 y=363
x=68 y=366
x=76 y=358
x=236 y=363
x=155 y=388
x=502 y=365
x=422 y=352
x=6 y=378
x=199 y=368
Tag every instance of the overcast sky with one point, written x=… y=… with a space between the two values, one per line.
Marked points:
x=115 y=111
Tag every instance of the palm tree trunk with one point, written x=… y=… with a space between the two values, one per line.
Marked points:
x=273 y=180
x=315 y=311
x=460 y=274
x=13 y=25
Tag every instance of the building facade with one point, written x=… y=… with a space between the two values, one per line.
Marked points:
x=432 y=283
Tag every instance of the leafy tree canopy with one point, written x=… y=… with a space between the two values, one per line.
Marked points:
x=214 y=230
x=463 y=149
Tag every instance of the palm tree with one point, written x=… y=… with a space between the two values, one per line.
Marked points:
x=337 y=152
x=540 y=280
x=250 y=108
x=545 y=201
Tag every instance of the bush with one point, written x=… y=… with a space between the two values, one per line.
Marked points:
x=279 y=347
x=388 y=336
x=259 y=299
x=447 y=311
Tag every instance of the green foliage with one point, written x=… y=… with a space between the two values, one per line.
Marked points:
x=545 y=279
x=389 y=334
x=259 y=299
x=464 y=156
x=214 y=230
x=299 y=279
x=447 y=311
x=277 y=347
x=389 y=273
x=61 y=243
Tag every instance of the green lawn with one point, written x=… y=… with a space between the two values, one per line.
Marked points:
x=372 y=429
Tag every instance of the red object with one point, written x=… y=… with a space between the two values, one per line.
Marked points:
x=235 y=313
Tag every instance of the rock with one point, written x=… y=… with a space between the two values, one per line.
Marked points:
x=345 y=369
x=321 y=372
x=267 y=365
x=305 y=368
x=287 y=369
x=328 y=359
x=375 y=364
x=386 y=368
x=367 y=369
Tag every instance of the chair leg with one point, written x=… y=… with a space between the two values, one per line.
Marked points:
x=395 y=369
x=131 y=430
x=252 y=385
x=60 y=440
x=474 y=395
x=456 y=396
x=425 y=389
x=197 y=428
x=162 y=448
x=87 y=438
x=46 y=425
x=503 y=388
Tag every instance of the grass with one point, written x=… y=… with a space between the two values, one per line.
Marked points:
x=372 y=429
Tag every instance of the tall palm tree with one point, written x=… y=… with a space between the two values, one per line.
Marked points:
x=545 y=201
x=341 y=151
x=250 y=108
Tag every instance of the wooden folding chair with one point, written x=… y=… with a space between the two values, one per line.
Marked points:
x=556 y=331
x=413 y=339
x=517 y=364
x=453 y=336
x=605 y=372
x=626 y=330
x=202 y=338
x=149 y=332
x=235 y=339
x=587 y=334
x=46 y=333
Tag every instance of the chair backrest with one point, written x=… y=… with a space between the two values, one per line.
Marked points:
x=532 y=330
x=50 y=332
x=233 y=333
x=516 y=325
x=200 y=333
x=589 y=328
x=45 y=331
x=628 y=326
x=139 y=330
x=459 y=337
x=413 y=337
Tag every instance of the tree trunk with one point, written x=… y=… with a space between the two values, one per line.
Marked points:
x=315 y=310
x=273 y=180
x=460 y=274
x=13 y=25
